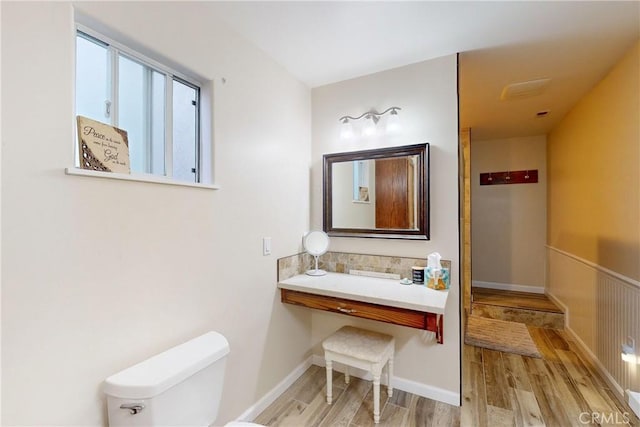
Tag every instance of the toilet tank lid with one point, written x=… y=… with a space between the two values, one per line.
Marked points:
x=155 y=375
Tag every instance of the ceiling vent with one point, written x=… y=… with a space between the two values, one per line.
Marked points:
x=524 y=89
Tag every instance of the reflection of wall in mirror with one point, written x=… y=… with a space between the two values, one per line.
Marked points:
x=346 y=212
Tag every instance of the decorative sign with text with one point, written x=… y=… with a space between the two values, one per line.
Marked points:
x=102 y=147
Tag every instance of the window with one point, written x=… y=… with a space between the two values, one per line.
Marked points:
x=158 y=107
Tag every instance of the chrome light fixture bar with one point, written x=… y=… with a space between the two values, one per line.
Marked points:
x=370 y=126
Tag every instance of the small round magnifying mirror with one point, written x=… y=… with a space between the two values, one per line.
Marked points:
x=316 y=243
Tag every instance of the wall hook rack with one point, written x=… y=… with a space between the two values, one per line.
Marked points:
x=529 y=176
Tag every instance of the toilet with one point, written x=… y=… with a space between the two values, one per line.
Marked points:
x=180 y=387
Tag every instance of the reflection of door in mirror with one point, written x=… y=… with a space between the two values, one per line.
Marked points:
x=395 y=193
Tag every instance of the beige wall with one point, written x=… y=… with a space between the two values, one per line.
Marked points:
x=100 y=274
x=509 y=221
x=426 y=92
x=594 y=173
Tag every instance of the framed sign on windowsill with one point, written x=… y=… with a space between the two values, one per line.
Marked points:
x=102 y=147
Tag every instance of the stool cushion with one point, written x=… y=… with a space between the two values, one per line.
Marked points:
x=359 y=343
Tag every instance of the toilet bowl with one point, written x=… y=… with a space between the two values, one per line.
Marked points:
x=179 y=387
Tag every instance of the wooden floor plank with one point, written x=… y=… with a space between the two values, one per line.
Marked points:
x=280 y=414
x=584 y=383
x=516 y=372
x=400 y=398
x=317 y=383
x=499 y=417
x=421 y=412
x=393 y=416
x=572 y=400
x=364 y=416
x=556 y=339
x=474 y=407
x=586 y=360
x=545 y=347
x=496 y=385
x=317 y=410
x=526 y=410
x=549 y=401
x=343 y=409
x=445 y=415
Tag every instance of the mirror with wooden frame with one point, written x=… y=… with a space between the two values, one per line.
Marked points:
x=380 y=193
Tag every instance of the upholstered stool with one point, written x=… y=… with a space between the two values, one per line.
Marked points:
x=361 y=349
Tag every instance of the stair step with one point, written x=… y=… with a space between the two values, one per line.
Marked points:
x=531 y=309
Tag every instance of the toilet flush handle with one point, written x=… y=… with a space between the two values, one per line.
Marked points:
x=134 y=408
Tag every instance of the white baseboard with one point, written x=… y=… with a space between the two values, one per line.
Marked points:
x=420 y=389
x=274 y=393
x=508 y=287
x=634 y=401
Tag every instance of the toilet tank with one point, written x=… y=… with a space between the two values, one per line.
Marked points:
x=180 y=387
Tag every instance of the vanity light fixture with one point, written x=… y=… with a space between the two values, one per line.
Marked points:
x=372 y=118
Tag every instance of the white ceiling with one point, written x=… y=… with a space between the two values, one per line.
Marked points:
x=573 y=43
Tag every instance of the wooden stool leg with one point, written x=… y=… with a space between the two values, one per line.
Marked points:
x=329 y=381
x=389 y=375
x=347 y=378
x=376 y=398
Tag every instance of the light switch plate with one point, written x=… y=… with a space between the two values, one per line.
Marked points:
x=266 y=246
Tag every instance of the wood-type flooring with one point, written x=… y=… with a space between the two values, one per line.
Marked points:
x=522 y=307
x=561 y=389
x=499 y=389
x=512 y=299
x=304 y=404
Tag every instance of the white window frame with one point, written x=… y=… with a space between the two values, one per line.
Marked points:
x=115 y=49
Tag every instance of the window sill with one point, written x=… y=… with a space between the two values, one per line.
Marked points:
x=139 y=178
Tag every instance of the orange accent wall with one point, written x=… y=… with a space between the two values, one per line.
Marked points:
x=594 y=173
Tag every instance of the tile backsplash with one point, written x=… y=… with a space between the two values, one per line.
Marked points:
x=342 y=262
x=293 y=265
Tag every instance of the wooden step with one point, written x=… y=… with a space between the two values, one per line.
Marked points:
x=531 y=309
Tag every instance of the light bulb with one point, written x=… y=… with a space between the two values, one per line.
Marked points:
x=369 y=128
x=346 y=130
x=393 y=122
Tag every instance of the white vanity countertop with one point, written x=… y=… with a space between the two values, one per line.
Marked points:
x=373 y=290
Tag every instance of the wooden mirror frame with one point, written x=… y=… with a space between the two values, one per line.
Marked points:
x=422 y=192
